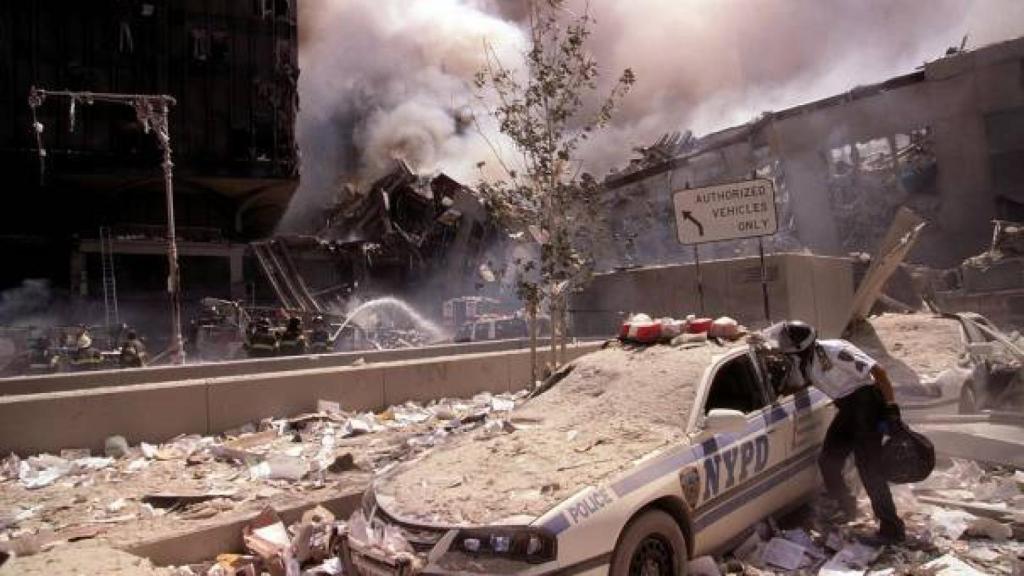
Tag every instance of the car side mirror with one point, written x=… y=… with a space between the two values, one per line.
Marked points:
x=725 y=421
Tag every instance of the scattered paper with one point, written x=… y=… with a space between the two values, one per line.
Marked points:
x=783 y=553
x=950 y=565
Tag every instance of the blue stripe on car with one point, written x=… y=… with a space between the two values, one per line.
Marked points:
x=675 y=459
x=783 y=472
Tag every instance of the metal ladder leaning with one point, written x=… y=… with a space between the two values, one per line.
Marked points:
x=109 y=277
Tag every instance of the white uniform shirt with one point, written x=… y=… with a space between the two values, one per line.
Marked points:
x=845 y=369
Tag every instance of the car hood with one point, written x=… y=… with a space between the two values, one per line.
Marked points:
x=614 y=409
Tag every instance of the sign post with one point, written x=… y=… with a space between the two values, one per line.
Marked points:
x=727 y=212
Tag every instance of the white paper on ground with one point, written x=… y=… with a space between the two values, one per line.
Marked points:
x=950 y=565
x=951 y=523
x=852 y=560
x=703 y=566
x=783 y=553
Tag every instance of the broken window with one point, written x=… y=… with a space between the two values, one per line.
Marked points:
x=917 y=167
x=736 y=387
x=200 y=45
x=263 y=8
x=125 y=42
x=874 y=156
x=220 y=48
x=840 y=161
x=1004 y=131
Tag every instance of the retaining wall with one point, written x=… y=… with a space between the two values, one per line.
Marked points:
x=149 y=375
x=153 y=413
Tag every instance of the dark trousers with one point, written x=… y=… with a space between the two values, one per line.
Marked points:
x=855 y=429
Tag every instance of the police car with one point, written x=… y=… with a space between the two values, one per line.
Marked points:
x=745 y=450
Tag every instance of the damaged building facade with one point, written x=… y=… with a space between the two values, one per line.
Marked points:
x=415 y=236
x=946 y=140
x=232 y=68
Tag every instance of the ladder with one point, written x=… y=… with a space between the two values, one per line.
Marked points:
x=109 y=278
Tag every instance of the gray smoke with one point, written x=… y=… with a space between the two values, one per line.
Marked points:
x=26 y=305
x=385 y=79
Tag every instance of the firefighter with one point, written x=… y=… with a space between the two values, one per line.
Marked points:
x=262 y=342
x=293 y=341
x=133 y=351
x=320 y=339
x=85 y=357
x=41 y=358
x=866 y=408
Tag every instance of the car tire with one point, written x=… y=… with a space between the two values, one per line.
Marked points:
x=968 y=400
x=651 y=543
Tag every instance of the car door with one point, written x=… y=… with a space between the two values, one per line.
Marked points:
x=809 y=411
x=742 y=473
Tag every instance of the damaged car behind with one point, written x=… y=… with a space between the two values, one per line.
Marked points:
x=633 y=462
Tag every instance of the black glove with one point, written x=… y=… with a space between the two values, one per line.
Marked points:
x=892 y=413
x=890 y=422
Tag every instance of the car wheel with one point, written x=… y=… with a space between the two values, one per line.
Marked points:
x=968 y=399
x=651 y=545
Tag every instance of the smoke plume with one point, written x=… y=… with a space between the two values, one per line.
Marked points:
x=385 y=79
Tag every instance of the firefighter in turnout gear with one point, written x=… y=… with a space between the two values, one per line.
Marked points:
x=293 y=341
x=41 y=359
x=320 y=339
x=85 y=357
x=133 y=351
x=262 y=342
x=866 y=409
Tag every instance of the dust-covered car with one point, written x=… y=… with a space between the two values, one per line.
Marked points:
x=946 y=362
x=635 y=461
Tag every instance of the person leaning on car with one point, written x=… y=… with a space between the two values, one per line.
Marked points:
x=863 y=396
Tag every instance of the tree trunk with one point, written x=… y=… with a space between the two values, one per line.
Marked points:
x=532 y=313
x=553 y=314
x=563 y=320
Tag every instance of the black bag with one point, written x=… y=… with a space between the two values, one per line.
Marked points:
x=907 y=456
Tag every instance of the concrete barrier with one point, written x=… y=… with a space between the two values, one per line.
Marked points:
x=47 y=422
x=147 y=413
x=104 y=378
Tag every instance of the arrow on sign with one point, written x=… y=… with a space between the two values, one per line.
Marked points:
x=687 y=215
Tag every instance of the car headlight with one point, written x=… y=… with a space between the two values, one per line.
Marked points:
x=533 y=545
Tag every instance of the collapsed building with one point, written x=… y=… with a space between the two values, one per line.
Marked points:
x=407 y=235
x=946 y=140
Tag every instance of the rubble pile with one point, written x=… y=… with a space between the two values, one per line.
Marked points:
x=964 y=520
x=132 y=494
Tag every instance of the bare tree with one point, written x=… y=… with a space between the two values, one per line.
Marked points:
x=547 y=108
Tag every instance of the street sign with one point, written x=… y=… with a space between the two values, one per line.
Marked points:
x=725 y=212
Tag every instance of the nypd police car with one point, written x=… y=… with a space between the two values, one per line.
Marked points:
x=745 y=449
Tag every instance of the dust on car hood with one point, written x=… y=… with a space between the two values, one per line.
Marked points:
x=616 y=407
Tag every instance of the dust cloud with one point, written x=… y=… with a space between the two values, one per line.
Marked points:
x=385 y=79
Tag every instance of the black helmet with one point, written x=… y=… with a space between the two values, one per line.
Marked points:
x=796 y=336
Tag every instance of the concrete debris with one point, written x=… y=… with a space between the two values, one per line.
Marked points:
x=969 y=536
x=115 y=447
x=161 y=490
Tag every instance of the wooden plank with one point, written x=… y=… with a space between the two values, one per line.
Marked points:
x=898 y=241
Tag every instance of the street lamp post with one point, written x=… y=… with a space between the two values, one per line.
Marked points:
x=153 y=112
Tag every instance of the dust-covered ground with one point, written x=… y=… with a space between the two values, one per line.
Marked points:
x=615 y=407
x=87 y=559
x=913 y=348
x=193 y=482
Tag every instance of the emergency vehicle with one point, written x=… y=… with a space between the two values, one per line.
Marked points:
x=749 y=451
